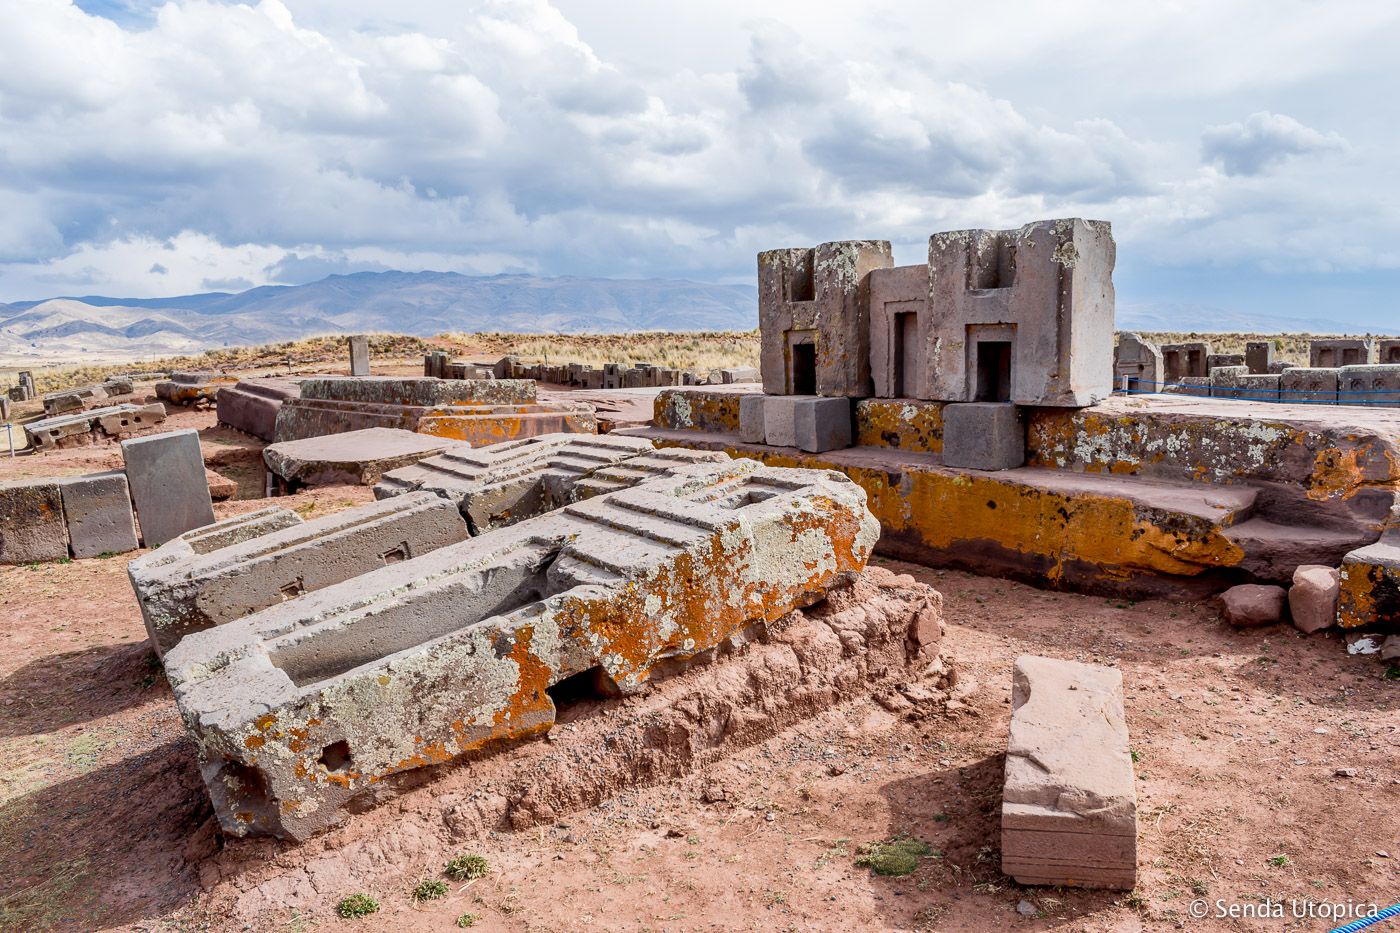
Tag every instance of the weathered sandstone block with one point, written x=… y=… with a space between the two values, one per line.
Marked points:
x=251 y=405
x=1370 y=585
x=84 y=427
x=1069 y=806
x=355 y=457
x=31 y=522
x=1312 y=599
x=1251 y=604
x=97 y=508
x=193 y=388
x=168 y=485
x=296 y=709
x=183 y=590
x=480 y=411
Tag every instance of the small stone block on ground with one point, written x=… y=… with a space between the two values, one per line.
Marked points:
x=779 y=420
x=166 y=475
x=355 y=457
x=1069 y=805
x=1370 y=586
x=1253 y=604
x=983 y=436
x=1312 y=600
x=31 y=522
x=97 y=509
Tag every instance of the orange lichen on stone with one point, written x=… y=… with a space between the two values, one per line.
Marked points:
x=697 y=410
x=900 y=424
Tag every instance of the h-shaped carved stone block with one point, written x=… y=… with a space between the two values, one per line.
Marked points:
x=296 y=709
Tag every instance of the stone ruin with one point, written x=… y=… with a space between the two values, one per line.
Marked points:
x=476 y=411
x=193 y=388
x=163 y=484
x=300 y=706
x=582 y=375
x=71 y=400
x=93 y=426
x=971 y=399
x=1339 y=372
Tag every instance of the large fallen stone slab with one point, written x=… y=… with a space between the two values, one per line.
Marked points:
x=97 y=509
x=355 y=457
x=183 y=589
x=296 y=709
x=31 y=522
x=1069 y=806
x=479 y=412
x=86 y=427
x=504 y=483
x=251 y=405
x=168 y=484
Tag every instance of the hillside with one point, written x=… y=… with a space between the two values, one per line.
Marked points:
x=94 y=328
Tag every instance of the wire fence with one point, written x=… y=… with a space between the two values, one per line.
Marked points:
x=1338 y=396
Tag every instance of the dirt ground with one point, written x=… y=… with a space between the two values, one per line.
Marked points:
x=1266 y=763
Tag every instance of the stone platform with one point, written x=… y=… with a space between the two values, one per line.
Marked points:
x=296 y=709
x=355 y=457
x=479 y=412
x=1137 y=496
x=251 y=405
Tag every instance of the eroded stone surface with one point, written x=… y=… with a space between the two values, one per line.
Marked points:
x=193 y=388
x=1069 y=806
x=97 y=509
x=1251 y=604
x=1312 y=599
x=85 y=427
x=251 y=406
x=186 y=586
x=297 y=708
x=31 y=522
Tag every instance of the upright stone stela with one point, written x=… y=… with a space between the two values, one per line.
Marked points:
x=359 y=355
x=168 y=484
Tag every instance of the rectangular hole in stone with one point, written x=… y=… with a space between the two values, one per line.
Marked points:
x=336 y=756
x=994 y=371
x=802 y=285
x=518 y=579
x=906 y=339
x=292 y=590
x=804 y=369
x=395 y=555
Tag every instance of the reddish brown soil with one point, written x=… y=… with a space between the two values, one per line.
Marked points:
x=1240 y=737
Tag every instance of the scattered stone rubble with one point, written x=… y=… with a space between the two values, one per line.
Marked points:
x=1069 y=804
x=70 y=400
x=82 y=428
x=92 y=515
x=298 y=708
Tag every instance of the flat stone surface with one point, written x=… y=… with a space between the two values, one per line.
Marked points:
x=1069 y=804
x=397 y=390
x=31 y=522
x=97 y=508
x=821 y=424
x=359 y=457
x=166 y=476
x=296 y=709
x=182 y=590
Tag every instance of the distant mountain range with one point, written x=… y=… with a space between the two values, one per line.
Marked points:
x=418 y=303
x=95 y=328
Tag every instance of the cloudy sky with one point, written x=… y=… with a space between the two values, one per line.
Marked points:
x=1244 y=150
